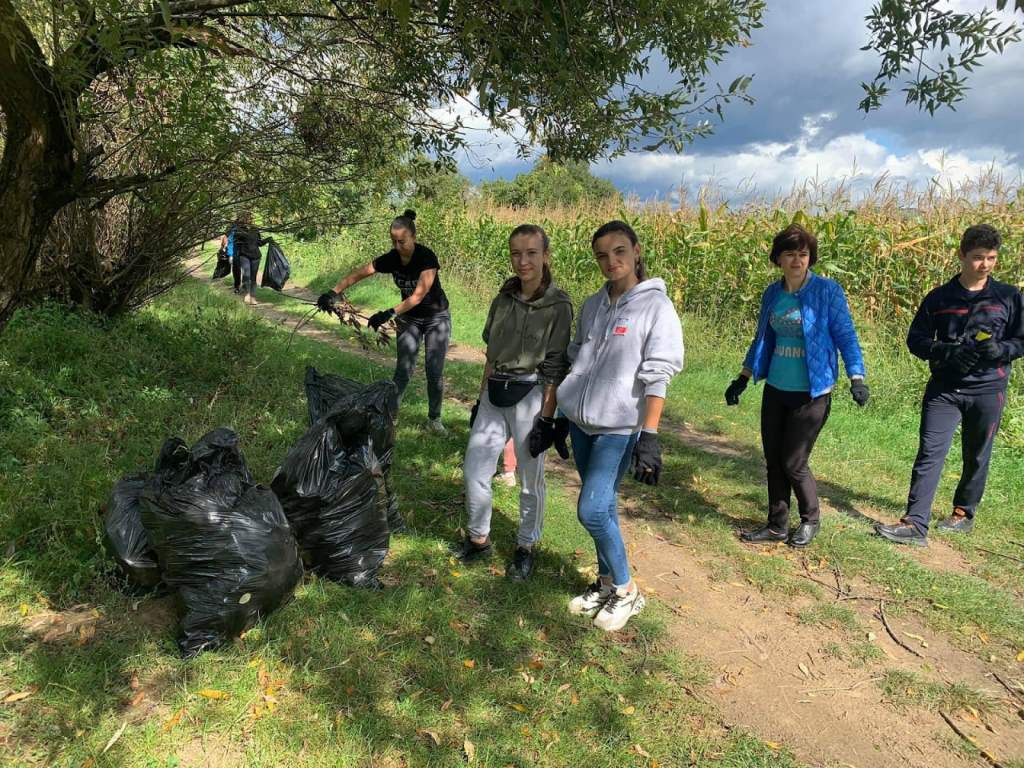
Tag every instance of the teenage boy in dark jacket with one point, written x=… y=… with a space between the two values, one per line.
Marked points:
x=969 y=330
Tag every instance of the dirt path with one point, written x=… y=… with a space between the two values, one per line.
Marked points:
x=775 y=676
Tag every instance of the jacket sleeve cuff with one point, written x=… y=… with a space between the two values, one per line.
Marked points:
x=656 y=389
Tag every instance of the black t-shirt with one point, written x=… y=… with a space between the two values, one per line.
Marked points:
x=407 y=276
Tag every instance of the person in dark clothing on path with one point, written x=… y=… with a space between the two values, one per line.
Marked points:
x=969 y=330
x=247 y=251
x=227 y=244
x=804 y=321
x=422 y=315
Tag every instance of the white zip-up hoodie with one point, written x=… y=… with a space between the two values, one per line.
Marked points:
x=621 y=353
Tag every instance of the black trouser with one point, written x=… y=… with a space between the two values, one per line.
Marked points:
x=790 y=424
x=236 y=272
x=249 y=268
x=435 y=333
x=941 y=412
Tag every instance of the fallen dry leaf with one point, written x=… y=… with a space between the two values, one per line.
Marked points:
x=536 y=664
x=88 y=763
x=444 y=707
x=468 y=663
x=174 y=720
x=640 y=750
x=11 y=698
x=519 y=708
x=629 y=710
x=1020 y=656
x=564 y=687
x=134 y=682
x=213 y=693
x=429 y=736
x=23 y=609
x=137 y=698
x=470 y=749
x=115 y=737
x=773 y=745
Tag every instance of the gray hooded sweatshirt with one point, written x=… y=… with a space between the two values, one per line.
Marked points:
x=622 y=353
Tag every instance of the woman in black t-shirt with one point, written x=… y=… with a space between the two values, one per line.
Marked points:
x=422 y=315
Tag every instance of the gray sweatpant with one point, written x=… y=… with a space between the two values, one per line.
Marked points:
x=491 y=430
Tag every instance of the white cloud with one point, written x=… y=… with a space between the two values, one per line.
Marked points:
x=769 y=168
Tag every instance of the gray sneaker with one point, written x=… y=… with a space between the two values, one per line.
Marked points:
x=958 y=522
x=435 y=426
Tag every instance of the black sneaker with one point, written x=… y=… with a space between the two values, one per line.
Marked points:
x=958 y=522
x=466 y=551
x=764 y=535
x=902 y=533
x=521 y=567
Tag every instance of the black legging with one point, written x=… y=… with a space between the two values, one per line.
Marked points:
x=790 y=424
x=435 y=333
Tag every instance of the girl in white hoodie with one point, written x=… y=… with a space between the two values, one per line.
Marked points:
x=628 y=346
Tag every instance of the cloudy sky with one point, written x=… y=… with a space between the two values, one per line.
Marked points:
x=804 y=123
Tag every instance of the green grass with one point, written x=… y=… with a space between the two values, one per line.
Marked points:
x=339 y=676
x=902 y=688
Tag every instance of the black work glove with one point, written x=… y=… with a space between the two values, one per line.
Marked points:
x=991 y=351
x=326 y=301
x=647 y=459
x=859 y=392
x=473 y=412
x=965 y=358
x=377 y=320
x=732 y=394
x=561 y=436
x=542 y=436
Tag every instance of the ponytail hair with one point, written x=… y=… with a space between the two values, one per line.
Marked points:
x=406 y=221
x=622 y=228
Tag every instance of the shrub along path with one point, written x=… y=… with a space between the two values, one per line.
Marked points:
x=799 y=652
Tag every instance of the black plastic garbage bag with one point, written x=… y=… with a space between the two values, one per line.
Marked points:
x=223 y=267
x=223 y=543
x=278 y=270
x=331 y=486
x=325 y=391
x=124 y=536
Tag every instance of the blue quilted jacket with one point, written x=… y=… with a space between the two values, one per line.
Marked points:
x=828 y=329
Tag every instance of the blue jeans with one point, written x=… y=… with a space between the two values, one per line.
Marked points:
x=602 y=460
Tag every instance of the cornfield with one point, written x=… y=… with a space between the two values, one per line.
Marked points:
x=887 y=249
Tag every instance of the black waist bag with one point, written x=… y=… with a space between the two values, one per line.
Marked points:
x=504 y=393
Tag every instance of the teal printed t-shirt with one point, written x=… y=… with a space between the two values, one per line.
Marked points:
x=788 y=369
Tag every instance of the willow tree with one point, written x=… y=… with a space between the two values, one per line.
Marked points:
x=214 y=103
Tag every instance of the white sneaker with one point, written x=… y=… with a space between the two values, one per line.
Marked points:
x=619 y=608
x=507 y=478
x=590 y=602
x=435 y=426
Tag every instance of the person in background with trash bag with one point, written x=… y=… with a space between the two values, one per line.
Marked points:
x=247 y=251
x=527 y=331
x=970 y=330
x=628 y=346
x=804 y=321
x=227 y=245
x=422 y=315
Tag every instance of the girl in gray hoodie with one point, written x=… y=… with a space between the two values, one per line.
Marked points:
x=628 y=346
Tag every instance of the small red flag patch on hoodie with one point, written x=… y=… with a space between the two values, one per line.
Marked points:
x=620 y=330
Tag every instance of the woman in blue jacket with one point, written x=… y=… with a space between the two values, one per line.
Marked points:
x=804 y=321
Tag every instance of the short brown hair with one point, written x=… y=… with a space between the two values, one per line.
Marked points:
x=793 y=238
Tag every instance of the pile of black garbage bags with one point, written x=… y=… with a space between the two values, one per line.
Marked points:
x=231 y=550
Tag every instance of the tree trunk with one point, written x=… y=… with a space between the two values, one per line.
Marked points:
x=38 y=166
